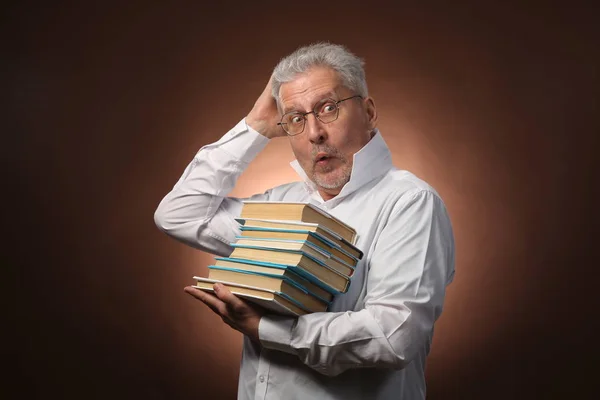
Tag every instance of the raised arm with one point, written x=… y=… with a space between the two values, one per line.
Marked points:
x=412 y=263
x=197 y=210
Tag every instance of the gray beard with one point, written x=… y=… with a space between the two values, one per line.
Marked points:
x=335 y=184
x=320 y=179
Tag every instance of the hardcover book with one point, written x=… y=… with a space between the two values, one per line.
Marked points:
x=333 y=280
x=302 y=278
x=316 y=252
x=305 y=212
x=304 y=235
x=276 y=225
x=270 y=300
x=276 y=283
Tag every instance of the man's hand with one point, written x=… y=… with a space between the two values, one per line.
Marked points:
x=264 y=116
x=235 y=312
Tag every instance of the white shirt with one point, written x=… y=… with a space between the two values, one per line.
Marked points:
x=373 y=342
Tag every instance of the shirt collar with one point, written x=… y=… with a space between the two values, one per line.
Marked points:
x=370 y=162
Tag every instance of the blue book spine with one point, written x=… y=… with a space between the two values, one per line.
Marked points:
x=313 y=246
x=293 y=268
x=318 y=261
x=316 y=235
x=284 y=278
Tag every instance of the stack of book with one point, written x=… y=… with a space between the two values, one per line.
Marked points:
x=291 y=258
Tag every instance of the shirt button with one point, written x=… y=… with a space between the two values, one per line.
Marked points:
x=261 y=379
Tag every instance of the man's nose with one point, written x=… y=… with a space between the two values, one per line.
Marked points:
x=315 y=129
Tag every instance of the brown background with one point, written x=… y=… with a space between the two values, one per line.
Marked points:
x=495 y=105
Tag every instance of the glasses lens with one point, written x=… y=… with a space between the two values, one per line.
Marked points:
x=327 y=110
x=293 y=123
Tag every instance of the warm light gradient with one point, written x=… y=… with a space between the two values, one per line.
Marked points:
x=495 y=106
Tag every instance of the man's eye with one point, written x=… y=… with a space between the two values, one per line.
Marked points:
x=328 y=108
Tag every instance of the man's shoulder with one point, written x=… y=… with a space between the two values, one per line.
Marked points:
x=401 y=182
x=401 y=189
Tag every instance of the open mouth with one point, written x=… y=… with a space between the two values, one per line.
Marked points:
x=321 y=157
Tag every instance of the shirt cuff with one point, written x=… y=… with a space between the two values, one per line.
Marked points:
x=247 y=144
x=275 y=332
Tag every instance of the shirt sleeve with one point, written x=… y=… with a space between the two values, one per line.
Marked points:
x=411 y=265
x=197 y=210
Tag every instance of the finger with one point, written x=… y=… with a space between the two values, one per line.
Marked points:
x=209 y=299
x=230 y=323
x=198 y=293
x=225 y=295
x=217 y=306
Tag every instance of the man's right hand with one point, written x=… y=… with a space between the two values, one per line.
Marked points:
x=264 y=116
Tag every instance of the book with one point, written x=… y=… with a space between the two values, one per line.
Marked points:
x=316 y=252
x=334 y=281
x=270 y=300
x=302 y=278
x=275 y=225
x=305 y=212
x=299 y=234
x=275 y=283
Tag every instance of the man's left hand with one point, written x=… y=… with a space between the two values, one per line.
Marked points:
x=235 y=312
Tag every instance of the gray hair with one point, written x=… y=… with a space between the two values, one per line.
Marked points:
x=348 y=66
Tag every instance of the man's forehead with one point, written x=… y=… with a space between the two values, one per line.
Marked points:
x=310 y=99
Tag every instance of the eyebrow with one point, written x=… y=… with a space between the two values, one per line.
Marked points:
x=330 y=94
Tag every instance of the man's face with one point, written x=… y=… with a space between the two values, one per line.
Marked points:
x=325 y=151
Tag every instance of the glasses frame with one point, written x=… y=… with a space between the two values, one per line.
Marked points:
x=315 y=113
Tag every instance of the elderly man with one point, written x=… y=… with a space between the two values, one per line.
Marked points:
x=374 y=340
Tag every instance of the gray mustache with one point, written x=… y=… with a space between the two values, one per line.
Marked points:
x=331 y=151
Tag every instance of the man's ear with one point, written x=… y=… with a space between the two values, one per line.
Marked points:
x=371 y=113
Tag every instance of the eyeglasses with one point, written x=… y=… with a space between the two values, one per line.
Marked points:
x=326 y=111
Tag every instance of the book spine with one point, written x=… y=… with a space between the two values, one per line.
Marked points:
x=284 y=278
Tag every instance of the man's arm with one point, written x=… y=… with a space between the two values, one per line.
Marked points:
x=411 y=265
x=197 y=211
